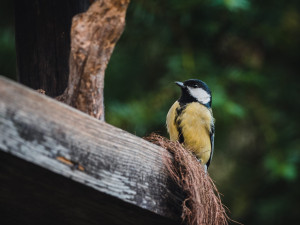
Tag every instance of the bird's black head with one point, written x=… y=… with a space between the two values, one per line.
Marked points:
x=194 y=91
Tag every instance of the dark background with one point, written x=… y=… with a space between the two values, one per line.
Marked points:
x=248 y=53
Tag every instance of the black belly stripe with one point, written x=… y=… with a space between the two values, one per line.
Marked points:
x=178 y=124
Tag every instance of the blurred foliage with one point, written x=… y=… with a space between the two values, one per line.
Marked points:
x=248 y=53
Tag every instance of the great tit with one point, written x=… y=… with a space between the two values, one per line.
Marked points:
x=190 y=120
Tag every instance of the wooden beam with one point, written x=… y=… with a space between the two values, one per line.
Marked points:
x=80 y=154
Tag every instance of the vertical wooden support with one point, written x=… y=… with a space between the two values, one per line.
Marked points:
x=43 y=42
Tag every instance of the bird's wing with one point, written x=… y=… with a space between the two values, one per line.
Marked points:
x=212 y=141
x=171 y=126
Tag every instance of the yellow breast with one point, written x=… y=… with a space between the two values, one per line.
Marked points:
x=195 y=123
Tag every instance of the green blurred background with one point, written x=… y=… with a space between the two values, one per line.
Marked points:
x=248 y=53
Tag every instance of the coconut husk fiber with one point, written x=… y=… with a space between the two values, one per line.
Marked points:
x=202 y=204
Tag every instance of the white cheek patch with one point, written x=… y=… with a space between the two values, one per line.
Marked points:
x=199 y=94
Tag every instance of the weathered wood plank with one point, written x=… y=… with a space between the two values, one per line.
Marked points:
x=70 y=143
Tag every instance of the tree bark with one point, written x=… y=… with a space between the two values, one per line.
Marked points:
x=93 y=38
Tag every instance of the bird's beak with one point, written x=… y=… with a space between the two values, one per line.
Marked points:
x=180 y=84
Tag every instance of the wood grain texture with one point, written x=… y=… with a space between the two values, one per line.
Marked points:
x=43 y=42
x=32 y=195
x=43 y=131
x=93 y=38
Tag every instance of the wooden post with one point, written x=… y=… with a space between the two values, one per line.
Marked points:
x=43 y=42
x=43 y=48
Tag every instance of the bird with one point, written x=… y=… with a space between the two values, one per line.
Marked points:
x=190 y=120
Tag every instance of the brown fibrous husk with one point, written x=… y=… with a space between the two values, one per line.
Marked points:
x=202 y=204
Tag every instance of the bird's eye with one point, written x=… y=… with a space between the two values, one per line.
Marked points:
x=195 y=85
